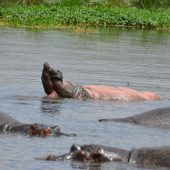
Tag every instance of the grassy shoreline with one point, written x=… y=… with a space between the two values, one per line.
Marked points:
x=56 y=16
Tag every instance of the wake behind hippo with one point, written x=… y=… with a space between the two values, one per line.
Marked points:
x=54 y=87
x=8 y=124
x=155 y=118
x=145 y=157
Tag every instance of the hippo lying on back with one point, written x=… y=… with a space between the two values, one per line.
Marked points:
x=155 y=118
x=54 y=87
x=11 y=125
x=146 y=157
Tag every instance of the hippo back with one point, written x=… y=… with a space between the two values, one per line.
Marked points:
x=6 y=119
x=154 y=118
x=151 y=157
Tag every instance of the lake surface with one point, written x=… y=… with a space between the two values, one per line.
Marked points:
x=112 y=56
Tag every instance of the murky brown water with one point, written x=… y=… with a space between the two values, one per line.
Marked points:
x=111 y=57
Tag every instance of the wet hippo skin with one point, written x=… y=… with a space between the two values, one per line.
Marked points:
x=55 y=87
x=145 y=157
x=8 y=124
x=159 y=118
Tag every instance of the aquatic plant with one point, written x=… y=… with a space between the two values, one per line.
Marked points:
x=138 y=3
x=21 y=2
x=65 y=2
x=55 y=15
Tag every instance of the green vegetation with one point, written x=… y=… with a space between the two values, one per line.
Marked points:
x=84 y=13
x=138 y=3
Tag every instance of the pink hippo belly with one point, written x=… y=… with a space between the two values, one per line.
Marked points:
x=102 y=92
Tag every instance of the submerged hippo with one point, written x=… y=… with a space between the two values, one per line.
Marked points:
x=146 y=157
x=54 y=87
x=155 y=118
x=11 y=125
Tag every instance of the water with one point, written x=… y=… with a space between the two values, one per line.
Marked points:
x=110 y=57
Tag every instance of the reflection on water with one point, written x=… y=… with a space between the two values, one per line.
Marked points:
x=51 y=106
x=112 y=56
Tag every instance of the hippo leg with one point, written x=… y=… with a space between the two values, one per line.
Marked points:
x=46 y=81
x=57 y=82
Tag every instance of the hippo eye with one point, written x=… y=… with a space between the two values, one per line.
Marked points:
x=33 y=127
x=75 y=148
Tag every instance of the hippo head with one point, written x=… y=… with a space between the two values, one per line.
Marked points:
x=42 y=130
x=92 y=153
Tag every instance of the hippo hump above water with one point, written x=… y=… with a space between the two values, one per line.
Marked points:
x=6 y=119
x=154 y=118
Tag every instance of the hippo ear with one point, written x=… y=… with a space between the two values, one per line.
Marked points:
x=75 y=147
x=33 y=127
x=56 y=128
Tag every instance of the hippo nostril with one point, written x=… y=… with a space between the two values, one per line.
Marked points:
x=46 y=132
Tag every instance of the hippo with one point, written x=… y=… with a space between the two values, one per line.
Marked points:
x=55 y=87
x=145 y=157
x=159 y=118
x=8 y=124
